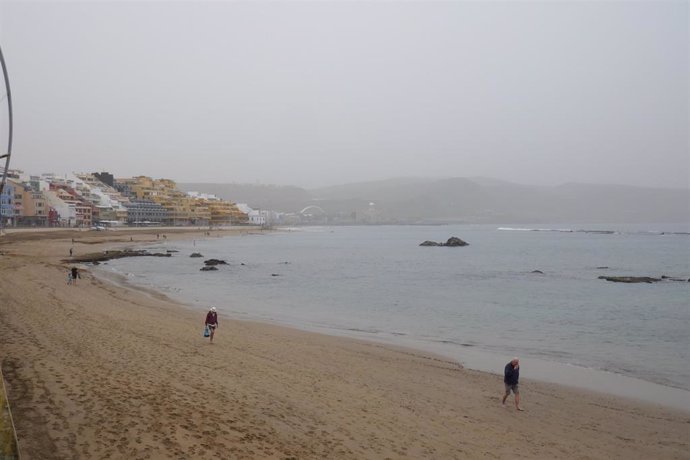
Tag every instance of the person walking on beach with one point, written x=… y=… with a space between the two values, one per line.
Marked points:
x=74 y=274
x=212 y=322
x=511 y=375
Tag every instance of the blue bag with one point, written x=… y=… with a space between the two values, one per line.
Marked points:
x=206 y=332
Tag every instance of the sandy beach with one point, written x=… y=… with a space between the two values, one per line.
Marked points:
x=100 y=370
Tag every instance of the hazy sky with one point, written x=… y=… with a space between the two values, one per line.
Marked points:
x=319 y=93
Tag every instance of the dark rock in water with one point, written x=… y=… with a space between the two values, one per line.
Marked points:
x=208 y=268
x=275 y=274
x=630 y=279
x=670 y=278
x=452 y=242
x=598 y=232
x=215 y=262
x=115 y=254
x=172 y=250
x=95 y=262
x=196 y=254
x=602 y=268
x=538 y=271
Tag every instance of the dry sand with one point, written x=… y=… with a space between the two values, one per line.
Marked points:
x=102 y=371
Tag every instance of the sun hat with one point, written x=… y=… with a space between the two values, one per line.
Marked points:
x=213 y=308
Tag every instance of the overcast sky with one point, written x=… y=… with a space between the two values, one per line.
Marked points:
x=330 y=92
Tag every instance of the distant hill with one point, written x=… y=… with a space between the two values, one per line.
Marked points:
x=480 y=200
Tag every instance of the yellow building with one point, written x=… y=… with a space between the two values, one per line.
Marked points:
x=29 y=205
x=183 y=208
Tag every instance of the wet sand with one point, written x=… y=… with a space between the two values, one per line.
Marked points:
x=99 y=370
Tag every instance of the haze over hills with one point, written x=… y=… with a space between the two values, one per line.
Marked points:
x=480 y=200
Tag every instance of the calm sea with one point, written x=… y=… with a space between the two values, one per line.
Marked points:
x=481 y=304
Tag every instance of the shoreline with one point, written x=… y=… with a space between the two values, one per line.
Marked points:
x=597 y=381
x=541 y=370
x=101 y=370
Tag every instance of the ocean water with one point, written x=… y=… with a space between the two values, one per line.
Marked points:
x=479 y=304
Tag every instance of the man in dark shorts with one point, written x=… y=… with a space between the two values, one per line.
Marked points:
x=511 y=375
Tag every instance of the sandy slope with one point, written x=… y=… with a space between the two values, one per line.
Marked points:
x=100 y=371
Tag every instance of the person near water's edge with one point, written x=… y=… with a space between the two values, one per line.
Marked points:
x=75 y=274
x=511 y=375
x=211 y=322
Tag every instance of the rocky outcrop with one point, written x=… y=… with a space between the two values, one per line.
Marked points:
x=196 y=254
x=641 y=279
x=109 y=255
x=208 y=268
x=452 y=242
x=213 y=262
x=671 y=278
x=630 y=279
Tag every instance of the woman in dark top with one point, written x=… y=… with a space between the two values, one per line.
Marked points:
x=212 y=321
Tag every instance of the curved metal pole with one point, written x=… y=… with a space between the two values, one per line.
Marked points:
x=9 y=139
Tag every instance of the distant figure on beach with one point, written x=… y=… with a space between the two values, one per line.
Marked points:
x=70 y=252
x=74 y=274
x=69 y=276
x=211 y=322
x=511 y=376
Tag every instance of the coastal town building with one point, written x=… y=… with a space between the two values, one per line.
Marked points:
x=111 y=205
x=18 y=199
x=260 y=216
x=21 y=205
x=222 y=212
x=72 y=209
x=145 y=212
x=65 y=212
x=30 y=208
x=86 y=199
x=183 y=208
x=7 y=214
